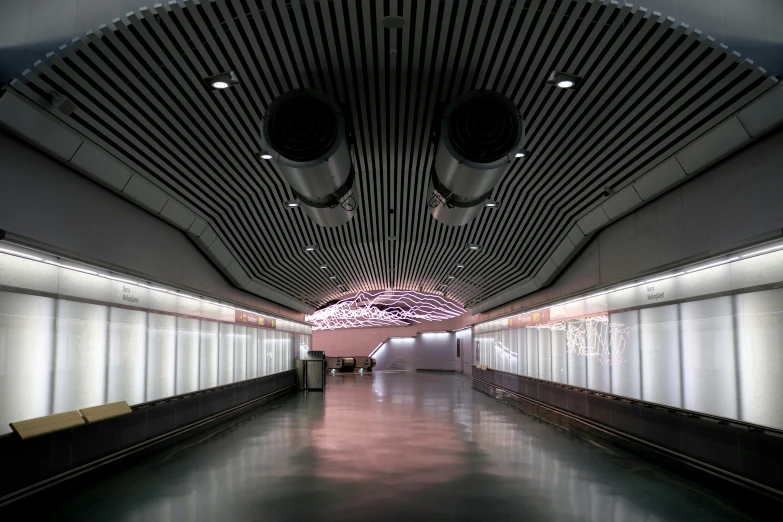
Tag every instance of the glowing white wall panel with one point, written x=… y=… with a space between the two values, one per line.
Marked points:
x=760 y=339
x=226 y=354
x=26 y=357
x=161 y=356
x=531 y=352
x=240 y=353
x=559 y=359
x=252 y=353
x=208 y=367
x=577 y=369
x=127 y=355
x=626 y=370
x=24 y=273
x=545 y=354
x=81 y=349
x=660 y=343
x=598 y=372
x=188 y=337
x=708 y=358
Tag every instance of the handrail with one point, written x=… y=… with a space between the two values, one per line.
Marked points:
x=395 y=361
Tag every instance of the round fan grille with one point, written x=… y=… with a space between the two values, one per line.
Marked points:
x=483 y=129
x=303 y=128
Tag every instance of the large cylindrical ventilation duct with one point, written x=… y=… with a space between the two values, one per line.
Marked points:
x=304 y=133
x=480 y=135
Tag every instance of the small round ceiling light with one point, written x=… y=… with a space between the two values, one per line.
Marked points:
x=492 y=204
x=292 y=204
x=393 y=22
x=333 y=277
x=474 y=247
x=460 y=267
x=451 y=277
x=222 y=81
x=324 y=267
x=563 y=80
x=310 y=248
x=264 y=155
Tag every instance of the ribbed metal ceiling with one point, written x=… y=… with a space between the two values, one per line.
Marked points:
x=650 y=86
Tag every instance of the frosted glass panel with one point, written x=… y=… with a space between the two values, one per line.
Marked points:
x=127 y=355
x=760 y=351
x=531 y=356
x=81 y=346
x=187 y=355
x=708 y=359
x=208 y=376
x=161 y=356
x=559 y=360
x=252 y=353
x=240 y=353
x=226 y=354
x=26 y=357
x=545 y=354
x=660 y=342
x=626 y=360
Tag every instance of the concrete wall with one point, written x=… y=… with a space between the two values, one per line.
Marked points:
x=735 y=201
x=44 y=200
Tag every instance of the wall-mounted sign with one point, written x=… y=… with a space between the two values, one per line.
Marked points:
x=254 y=320
x=541 y=316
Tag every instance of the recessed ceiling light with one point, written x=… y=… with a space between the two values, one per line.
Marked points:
x=264 y=155
x=324 y=267
x=291 y=204
x=460 y=266
x=310 y=248
x=563 y=80
x=451 y=277
x=492 y=204
x=222 y=81
x=332 y=277
x=393 y=22
x=474 y=246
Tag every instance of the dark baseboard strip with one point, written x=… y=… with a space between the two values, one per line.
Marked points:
x=148 y=446
x=752 y=493
x=436 y=370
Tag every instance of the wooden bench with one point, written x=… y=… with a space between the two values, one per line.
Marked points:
x=105 y=411
x=34 y=427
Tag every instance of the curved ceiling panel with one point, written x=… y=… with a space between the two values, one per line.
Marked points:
x=649 y=87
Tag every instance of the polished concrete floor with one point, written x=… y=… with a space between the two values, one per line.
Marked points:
x=390 y=446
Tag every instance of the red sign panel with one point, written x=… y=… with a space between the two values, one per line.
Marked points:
x=542 y=316
x=253 y=319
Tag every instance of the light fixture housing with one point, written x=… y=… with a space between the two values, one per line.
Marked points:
x=222 y=81
x=523 y=153
x=563 y=80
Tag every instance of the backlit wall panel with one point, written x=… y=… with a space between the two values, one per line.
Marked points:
x=127 y=355
x=626 y=369
x=208 y=367
x=660 y=343
x=161 y=356
x=225 y=354
x=25 y=374
x=708 y=359
x=188 y=347
x=81 y=353
x=58 y=353
x=721 y=356
x=760 y=356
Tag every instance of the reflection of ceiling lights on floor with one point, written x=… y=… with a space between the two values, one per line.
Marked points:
x=384 y=308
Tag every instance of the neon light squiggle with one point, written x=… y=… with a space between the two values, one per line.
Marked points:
x=593 y=336
x=384 y=308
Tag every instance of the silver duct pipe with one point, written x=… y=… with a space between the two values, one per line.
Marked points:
x=480 y=134
x=303 y=131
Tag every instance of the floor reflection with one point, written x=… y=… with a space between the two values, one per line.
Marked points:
x=390 y=446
